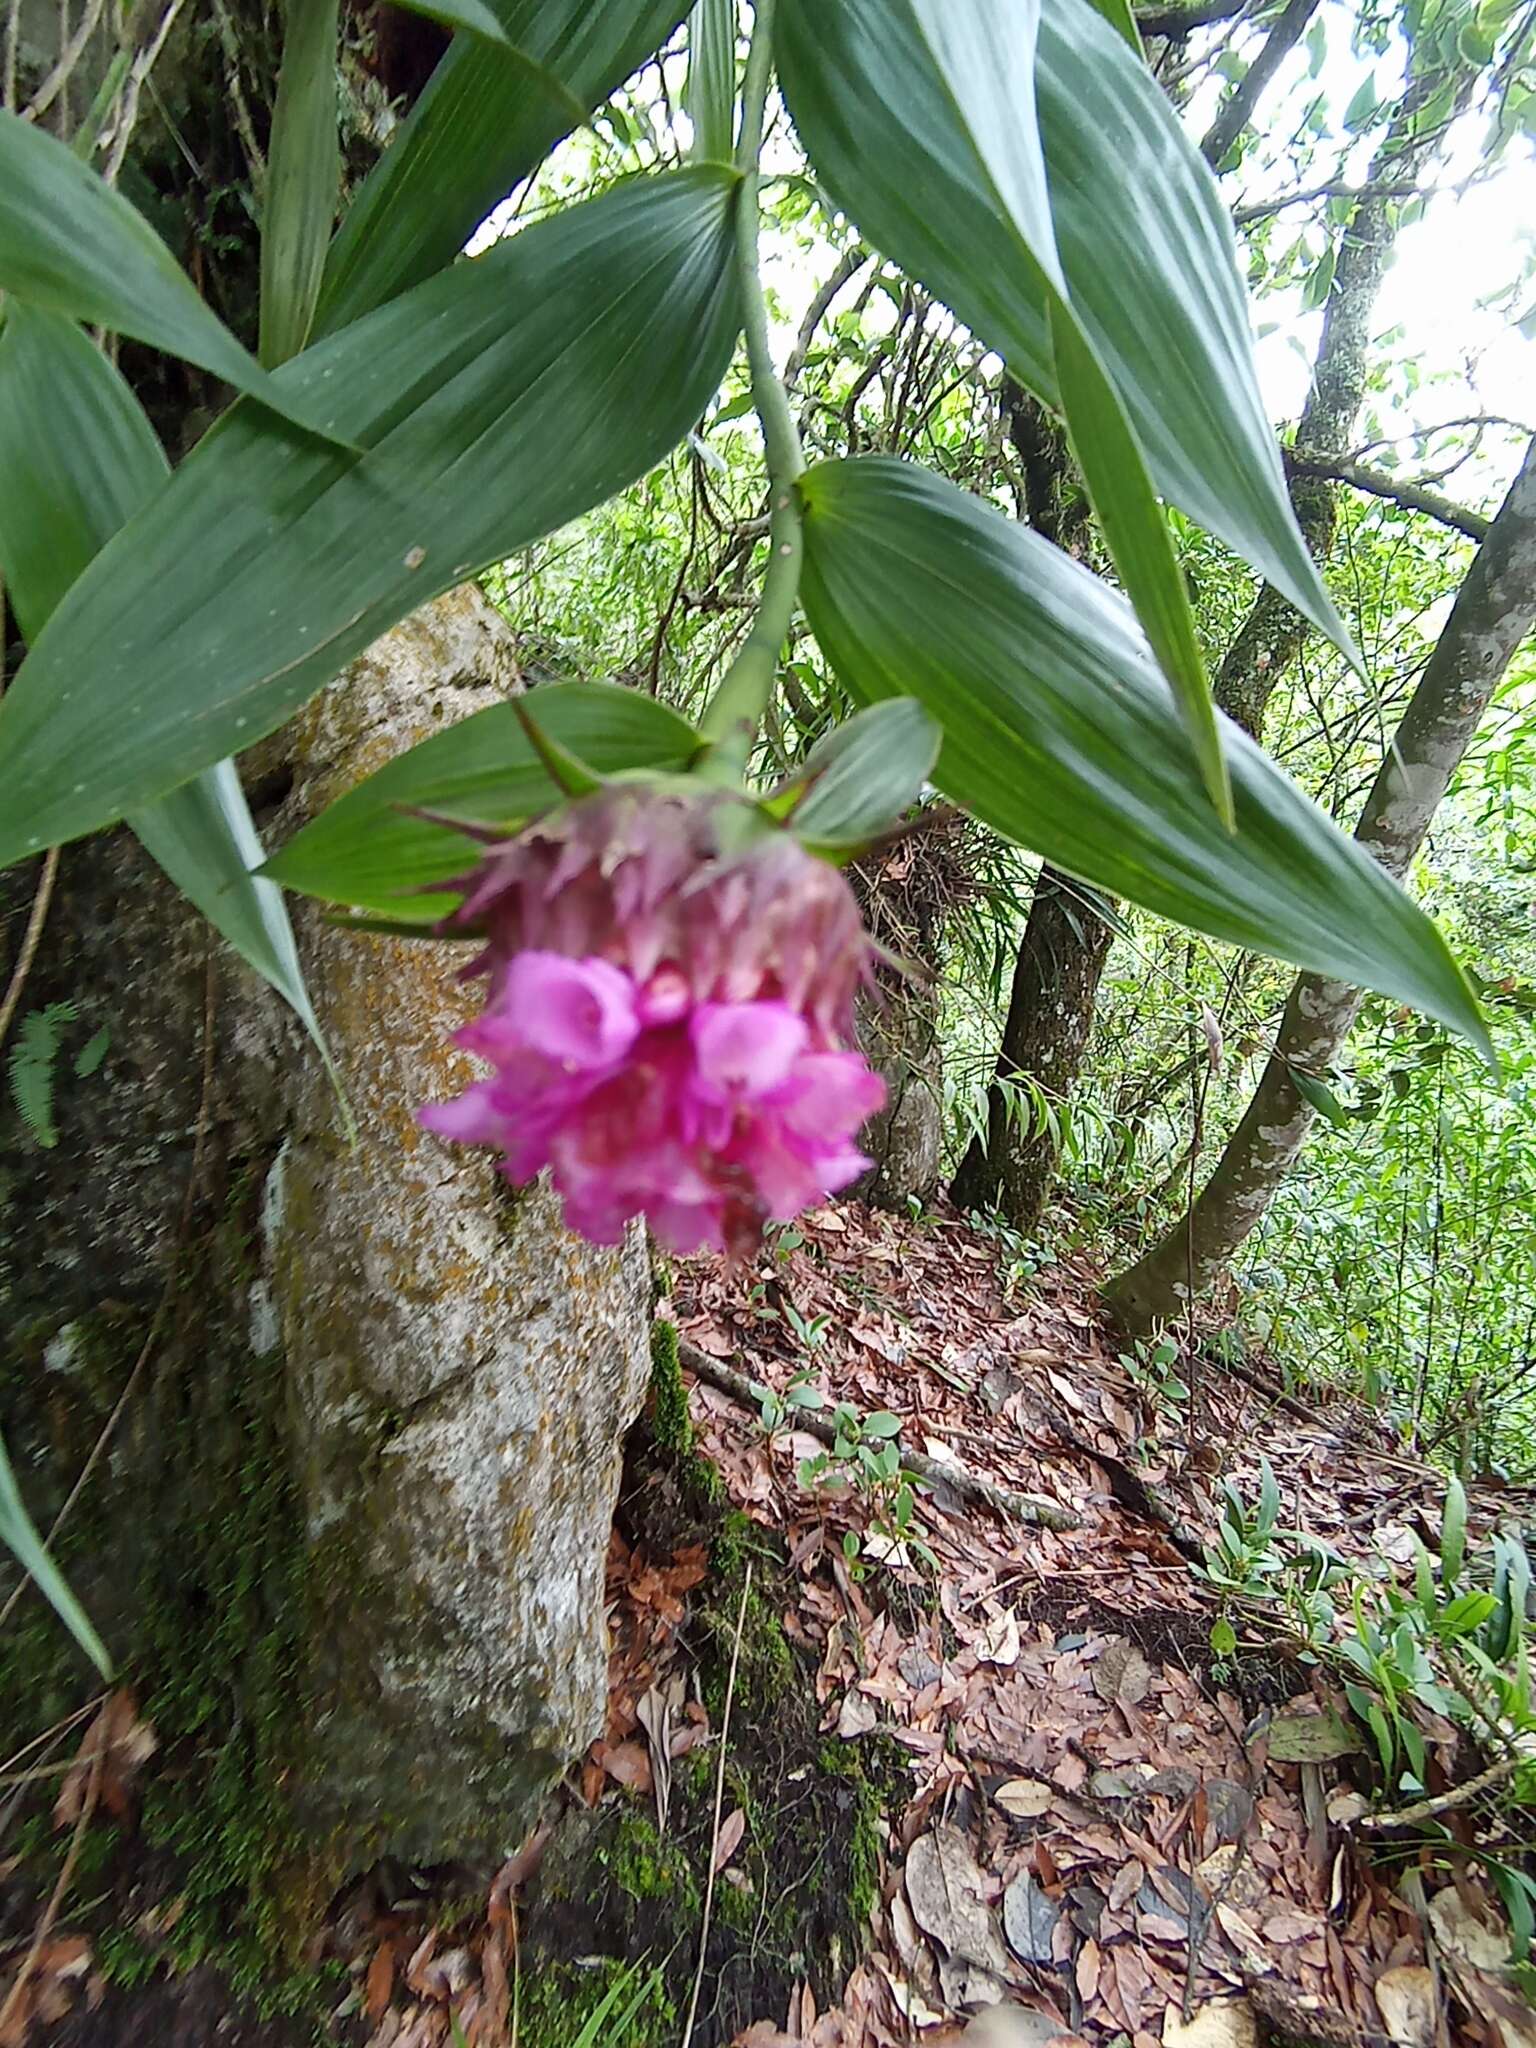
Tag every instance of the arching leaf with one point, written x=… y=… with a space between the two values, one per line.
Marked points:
x=1058 y=731
x=488 y=406
x=373 y=849
x=71 y=244
x=79 y=459
x=913 y=152
x=487 y=117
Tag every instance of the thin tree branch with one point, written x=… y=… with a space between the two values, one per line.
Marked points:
x=61 y=73
x=1179 y=21
x=1335 y=188
x=1237 y=110
x=846 y=271
x=1316 y=462
x=31 y=939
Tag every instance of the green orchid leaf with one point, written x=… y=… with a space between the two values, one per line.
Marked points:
x=918 y=147
x=303 y=180
x=863 y=776
x=488 y=116
x=1059 y=732
x=70 y=244
x=80 y=459
x=488 y=407
x=373 y=849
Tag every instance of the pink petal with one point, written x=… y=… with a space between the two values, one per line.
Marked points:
x=580 y=1012
x=744 y=1050
x=829 y=1094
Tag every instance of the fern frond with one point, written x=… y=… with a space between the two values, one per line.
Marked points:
x=31 y=1067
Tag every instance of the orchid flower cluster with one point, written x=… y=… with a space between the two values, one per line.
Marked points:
x=669 y=1017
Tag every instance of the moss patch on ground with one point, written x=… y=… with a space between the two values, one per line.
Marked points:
x=794 y=1903
x=191 y=1546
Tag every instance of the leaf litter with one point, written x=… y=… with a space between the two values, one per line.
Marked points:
x=1106 y=1838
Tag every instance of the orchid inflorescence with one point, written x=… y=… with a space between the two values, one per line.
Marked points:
x=669 y=1018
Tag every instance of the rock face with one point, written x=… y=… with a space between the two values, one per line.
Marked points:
x=463 y=1368
x=426 y=1376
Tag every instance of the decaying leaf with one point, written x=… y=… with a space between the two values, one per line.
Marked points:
x=1405 y=1998
x=856 y=1716
x=1122 y=1676
x=1024 y=1798
x=1461 y=1934
x=1312 y=1738
x=999 y=1641
x=1029 y=1920
x=1225 y=2023
x=1225 y=1808
x=947 y=1893
x=732 y=1828
x=627 y=1763
x=122 y=1743
x=1224 y=1874
x=380 y=1982
x=1012 y=2026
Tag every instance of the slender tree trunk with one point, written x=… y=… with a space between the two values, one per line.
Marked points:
x=1061 y=956
x=1045 y=1035
x=1494 y=611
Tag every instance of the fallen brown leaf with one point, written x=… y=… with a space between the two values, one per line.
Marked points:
x=1122 y=1676
x=379 y=1984
x=1405 y=1998
x=732 y=1828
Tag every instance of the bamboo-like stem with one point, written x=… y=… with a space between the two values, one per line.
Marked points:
x=747 y=685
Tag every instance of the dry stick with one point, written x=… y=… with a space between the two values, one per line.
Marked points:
x=31 y=939
x=45 y=1926
x=50 y=1734
x=714 y=1833
x=1459 y=1795
x=59 y=77
x=959 y=1479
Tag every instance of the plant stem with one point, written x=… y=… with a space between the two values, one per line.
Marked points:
x=747 y=685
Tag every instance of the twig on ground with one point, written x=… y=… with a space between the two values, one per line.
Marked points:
x=1443 y=1802
x=1138 y=1496
x=31 y=939
x=45 y=1925
x=1022 y=1507
x=714 y=1833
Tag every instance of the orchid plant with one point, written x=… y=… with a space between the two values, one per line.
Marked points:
x=672 y=953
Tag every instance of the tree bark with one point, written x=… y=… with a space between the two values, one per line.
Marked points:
x=1045 y=1035
x=1061 y=957
x=1237 y=109
x=379 y=1399
x=1494 y=611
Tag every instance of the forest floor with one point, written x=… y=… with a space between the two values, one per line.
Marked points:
x=1099 y=1824
x=1086 y=1816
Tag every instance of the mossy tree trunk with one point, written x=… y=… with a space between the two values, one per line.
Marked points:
x=351 y=1414
x=357 y=1502
x=1064 y=948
